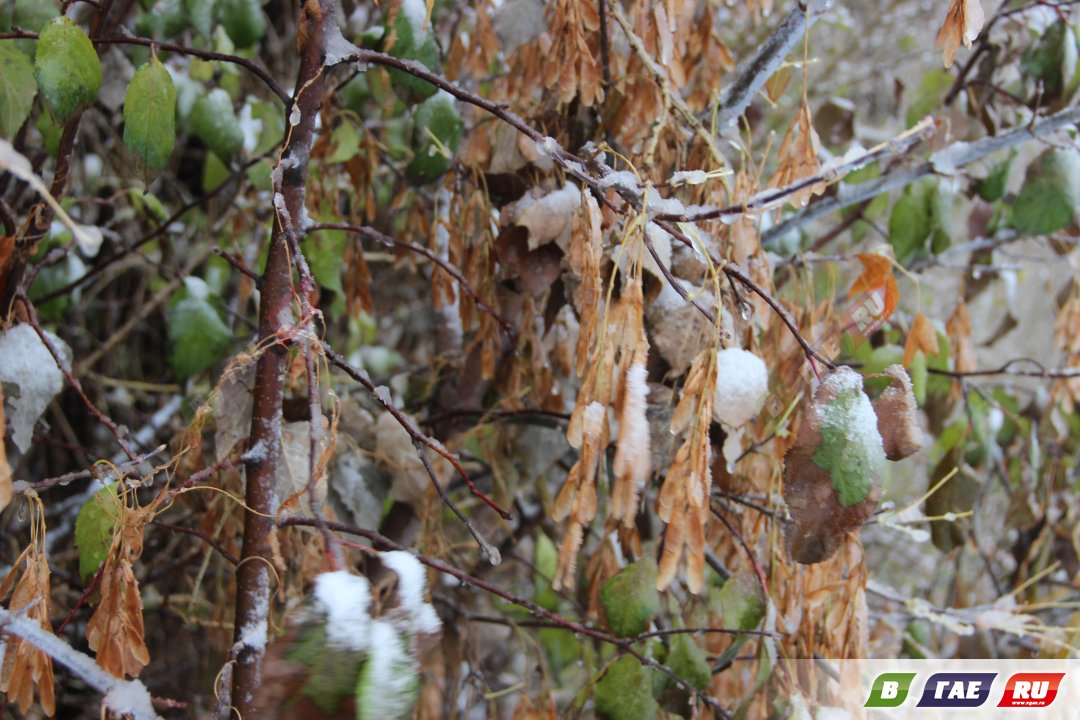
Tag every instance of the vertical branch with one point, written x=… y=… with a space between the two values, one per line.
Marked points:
x=275 y=317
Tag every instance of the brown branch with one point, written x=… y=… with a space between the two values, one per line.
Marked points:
x=194 y=532
x=264 y=447
x=417 y=437
x=427 y=252
x=1006 y=369
x=382 y=543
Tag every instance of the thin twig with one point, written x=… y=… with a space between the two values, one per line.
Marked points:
x=383 y=543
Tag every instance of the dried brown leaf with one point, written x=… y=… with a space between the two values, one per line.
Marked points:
x=922 y=336
x=24 y=666
x=962 y=25
x=897 y=421
x=115 y=631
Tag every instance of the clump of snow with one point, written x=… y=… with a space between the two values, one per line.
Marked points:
x=294 y=115
x=594 y=418
x=130 y=698
x=415 y=11
x=345 y=598
x=412 y=584
x=250 y=127
x=337 y=47
x=658 y=205
x=547 y=147
x=622 y=180
x=947 y=160
x=689 y=177
x=742 y=381
x=389 y=677
x=28 y=366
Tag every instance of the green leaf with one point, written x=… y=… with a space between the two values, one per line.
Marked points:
x=331 y=673
x=992 y=187
x=688 y=661
x=741 y=601
x=344 y=143
x=67 y=67
x=94 y=528
x=910 y=223
x=17 y=89
x=918 y=371
x=32 y=15
x=197 y=335
x=1047 y=202
x=215 y=123
x=544 y=560
x=437 y=131
x=201 y=15
x=850 y=447
x=1045 y=61
x=928 y=95
x=243 y=20
x=412 y=41
x=625 y=692
x=630 y=598
x=150 y=114
x=324 y=252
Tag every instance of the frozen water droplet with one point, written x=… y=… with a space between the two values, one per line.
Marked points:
x=746 y=310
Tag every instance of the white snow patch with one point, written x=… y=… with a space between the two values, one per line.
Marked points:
x=689 y=177
x=253 y=635
x=337 y=47
x=742 y=381
x=415 y=11
x=257 y=453
x=658 y=205
x=632 y=455
x=131 y=698
x=346 y=598
x=382 y=393
x=26 y=363
x=250 y=127
x=390 y=674
x=622 y=180
x=947 y=160
x=412 y=584
x=594 y=418
x=294 y=115
x=547 y=147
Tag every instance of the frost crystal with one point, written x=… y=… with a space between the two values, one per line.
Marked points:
x=742 y=381
x=412 y=584
x=294 y=115
x=689 y=177
x=345 y=598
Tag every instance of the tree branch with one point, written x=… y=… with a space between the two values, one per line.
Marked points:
x=275 y=317
x=954 y=156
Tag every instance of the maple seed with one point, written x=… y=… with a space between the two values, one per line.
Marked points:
x=962 y=25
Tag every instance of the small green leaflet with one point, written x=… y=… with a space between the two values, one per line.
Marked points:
x=630 y=598
x=94 y=528
x=214 y=121
x=412 y=42
x=688 y=661
x=625 y=692
x=437 y=131
x=243 y=21
x=741 y=601
x=67 y=67
x=150 y=114
x=17 y=89
x=850 y=447
x=1047 y=202
x=197 y=335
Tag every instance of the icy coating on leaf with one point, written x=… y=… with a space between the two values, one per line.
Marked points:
x=27 y=365
x=850 y=446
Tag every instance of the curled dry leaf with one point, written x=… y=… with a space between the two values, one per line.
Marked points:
x=897 y=423
x=922 y=336
x=877 y=275
x=961 y=27
x=799 y=157
x=832 y=474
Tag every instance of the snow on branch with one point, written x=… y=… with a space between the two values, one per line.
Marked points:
x=123 y=697
x=944 y=161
